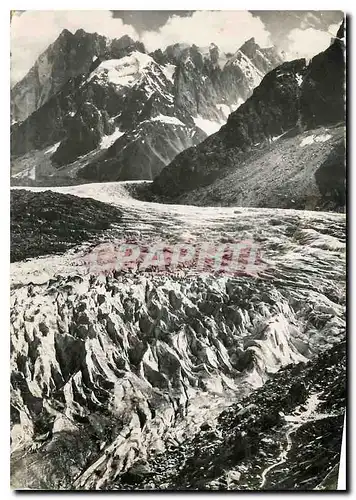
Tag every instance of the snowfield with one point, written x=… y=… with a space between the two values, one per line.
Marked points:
x=124 y=71
x=312 y=138
x=167 y=119
x=108 y=140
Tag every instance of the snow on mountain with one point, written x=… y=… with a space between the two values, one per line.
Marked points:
x=252 y=73
x=168 y=70
x=315 y=138
x=208 y=126
x=52 y=149
x=119 y=88
x=283 y=147
x=29 y=172
x=112 y=369
x=108 y=140
x=167 y=119
x=71 y=55
x=125 y=71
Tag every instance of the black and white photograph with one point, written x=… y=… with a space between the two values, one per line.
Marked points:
x=178 y=281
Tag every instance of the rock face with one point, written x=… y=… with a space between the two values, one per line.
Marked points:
x=206 y=75
x=292 y=98
x=160 y=103
x=69 y=56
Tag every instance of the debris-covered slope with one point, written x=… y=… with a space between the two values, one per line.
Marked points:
x=303 y=171
x=47 y=222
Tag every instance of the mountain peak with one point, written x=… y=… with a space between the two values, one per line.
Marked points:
x=65 y=33
x=340 y=35
x=126 y=39
x=80 y=32
x=249 y=47
x=123 y=42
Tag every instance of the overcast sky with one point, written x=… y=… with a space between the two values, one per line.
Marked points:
x=297 y=33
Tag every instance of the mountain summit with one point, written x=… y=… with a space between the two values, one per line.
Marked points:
x=67 y=57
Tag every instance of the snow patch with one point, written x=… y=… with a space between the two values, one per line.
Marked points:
x=322 y=138
x=167 y=119
x=29 y=173
x=307 y=141
x=52 y=149
x=125 y=71
x=208 y=126
x=168 y=71
x=253 y=74
x=276 y=137
x=299 y=79
x=108 y=140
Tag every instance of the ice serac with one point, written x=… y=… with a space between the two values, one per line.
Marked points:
x=118 y=379
x=291 y=100
x=122 y=88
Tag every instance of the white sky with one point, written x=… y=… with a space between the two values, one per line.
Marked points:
x=306 y=43
x=33 y=31
x=228 y=29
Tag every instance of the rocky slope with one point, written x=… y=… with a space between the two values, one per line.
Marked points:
x=291 y=99
x=113 y=374
x=303 y=171
x=157 y=104
x=46 y=223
